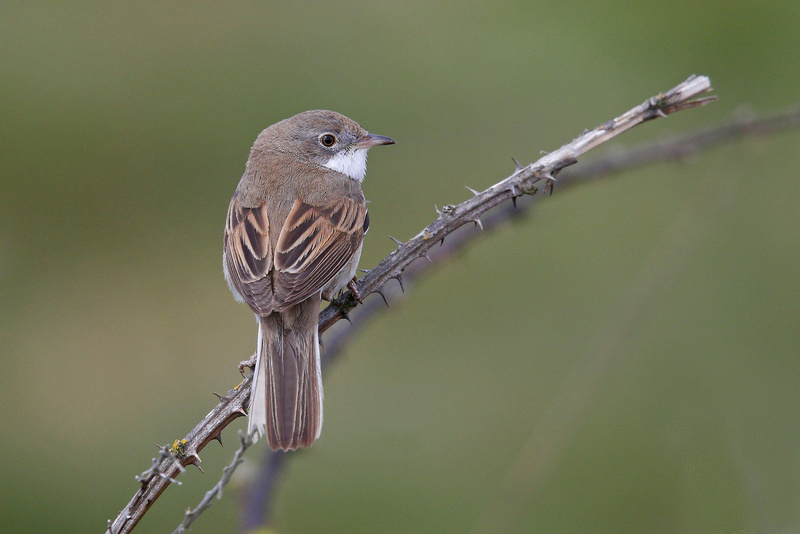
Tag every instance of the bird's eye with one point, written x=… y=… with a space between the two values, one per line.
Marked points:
x=327 y=139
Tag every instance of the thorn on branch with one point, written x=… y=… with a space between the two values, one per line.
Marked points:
x=517 y=164
x=478 y=223
x=514 y=194
x=399 y=278
x=399 y=243
x=550 y=182
x=380 y=292
x=195 y=460
x=473 y=191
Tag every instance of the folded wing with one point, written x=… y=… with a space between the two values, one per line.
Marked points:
x=315 y=243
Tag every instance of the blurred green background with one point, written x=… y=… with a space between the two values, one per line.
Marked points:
x=625 y=360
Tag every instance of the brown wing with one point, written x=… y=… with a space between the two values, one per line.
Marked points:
x=248 y=256
x=314 y=244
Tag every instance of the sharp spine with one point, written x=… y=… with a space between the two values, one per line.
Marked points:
x=399 y=278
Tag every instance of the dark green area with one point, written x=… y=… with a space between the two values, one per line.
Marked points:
x=625 y=360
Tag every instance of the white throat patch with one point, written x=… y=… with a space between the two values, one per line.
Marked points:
x=353 y=163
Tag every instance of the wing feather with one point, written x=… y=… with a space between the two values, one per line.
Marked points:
x=315 y=243
x=248 y=256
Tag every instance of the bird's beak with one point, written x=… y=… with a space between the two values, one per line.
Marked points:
x=371 y=140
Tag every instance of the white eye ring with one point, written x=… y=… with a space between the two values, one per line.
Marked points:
x=327 y=139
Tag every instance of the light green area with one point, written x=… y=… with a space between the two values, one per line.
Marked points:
x=625 y=360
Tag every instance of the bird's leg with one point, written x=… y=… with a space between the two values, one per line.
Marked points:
x=347 y=302
x=251 y=363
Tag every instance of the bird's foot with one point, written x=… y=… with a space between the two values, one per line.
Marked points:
x=351 y=285
x=251 y=363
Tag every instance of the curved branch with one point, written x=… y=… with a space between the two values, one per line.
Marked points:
x=524 y=181
x=259 y=494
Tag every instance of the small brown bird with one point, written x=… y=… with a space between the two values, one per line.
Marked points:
x=292 y=237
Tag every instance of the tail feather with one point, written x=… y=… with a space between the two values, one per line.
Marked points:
x=286 y=396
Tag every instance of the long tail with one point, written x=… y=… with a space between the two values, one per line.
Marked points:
x=286 y=397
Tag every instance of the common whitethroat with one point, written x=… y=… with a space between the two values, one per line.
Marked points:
x=293 y=236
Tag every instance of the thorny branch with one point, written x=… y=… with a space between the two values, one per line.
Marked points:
x=523 y=182
x=216 y=491
x=259 y=493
